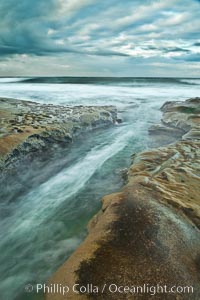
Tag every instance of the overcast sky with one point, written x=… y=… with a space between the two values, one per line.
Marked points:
x=100 y=38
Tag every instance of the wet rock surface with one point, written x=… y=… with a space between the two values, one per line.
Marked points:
x=149 y=233
x=180 y=120
x=30 y=128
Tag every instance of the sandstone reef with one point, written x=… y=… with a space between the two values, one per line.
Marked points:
x=180 y=120
x=149 y=232
x=28 y=127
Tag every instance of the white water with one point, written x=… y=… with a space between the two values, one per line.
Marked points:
x=191 y=81
x=10 y=79
x=42 y=226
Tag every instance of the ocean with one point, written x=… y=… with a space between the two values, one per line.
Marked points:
x=45 y=210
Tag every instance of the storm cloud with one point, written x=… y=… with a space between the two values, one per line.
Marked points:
x=105 y=38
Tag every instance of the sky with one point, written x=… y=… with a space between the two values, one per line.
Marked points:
x=100 y=38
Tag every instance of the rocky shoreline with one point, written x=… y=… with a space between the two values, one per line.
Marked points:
x=30 y=128
x=149 y=232
x=180 y=120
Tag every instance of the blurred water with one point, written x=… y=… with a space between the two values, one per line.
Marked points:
x=43 y=223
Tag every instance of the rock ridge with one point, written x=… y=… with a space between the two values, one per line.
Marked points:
x=180 y=119
x=29 y=127
x=149 y=232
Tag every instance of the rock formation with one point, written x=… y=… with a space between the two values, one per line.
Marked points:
x=27 y=127
x=149 y=233
x=180 y=120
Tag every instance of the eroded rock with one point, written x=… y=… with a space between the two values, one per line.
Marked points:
x=181 y=120
x=149 y=233
x=27 y=126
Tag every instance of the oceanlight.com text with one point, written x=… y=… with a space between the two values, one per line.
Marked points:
x=109 y=289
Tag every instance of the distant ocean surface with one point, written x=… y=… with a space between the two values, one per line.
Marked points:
x=97 y=90
x=41 y=225
x=131 y=81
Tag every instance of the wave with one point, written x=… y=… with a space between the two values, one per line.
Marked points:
x=132 y=82
x=12 y=79
x=195 y=81
x=126 y=81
